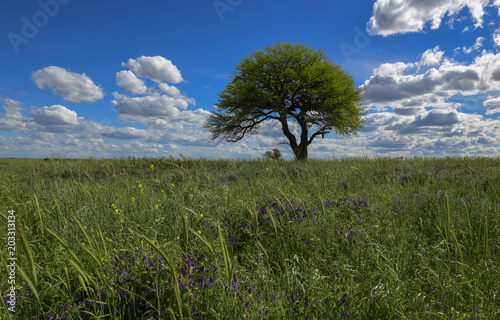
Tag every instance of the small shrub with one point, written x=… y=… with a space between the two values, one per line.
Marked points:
x=275 y=154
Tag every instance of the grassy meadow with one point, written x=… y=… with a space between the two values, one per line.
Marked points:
x=146 y=238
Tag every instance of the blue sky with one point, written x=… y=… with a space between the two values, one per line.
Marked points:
x=127 y=78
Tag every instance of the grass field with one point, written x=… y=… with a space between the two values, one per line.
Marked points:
x=201 y=239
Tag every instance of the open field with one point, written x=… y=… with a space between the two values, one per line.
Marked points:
x=200 y=239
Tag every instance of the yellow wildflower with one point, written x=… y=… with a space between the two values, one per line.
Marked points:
x=201 y=215
x=133 y=199
x=151 y=166
x=112 y=206
x=116 y=211
x=199 y=232
x=140 y=186
x=156 y=207
x=121 y=220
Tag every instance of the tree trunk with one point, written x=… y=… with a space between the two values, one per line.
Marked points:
x=300 y=152
x=301 y=155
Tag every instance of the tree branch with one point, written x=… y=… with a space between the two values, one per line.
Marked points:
x=321 y=132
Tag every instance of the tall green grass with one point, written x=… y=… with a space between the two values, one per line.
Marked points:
x=153 y=238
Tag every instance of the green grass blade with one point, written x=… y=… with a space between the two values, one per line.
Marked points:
x=65 y=245
x=202 y=238
x=103 y=242
x=82 y=229
x=28 y=282
x=37 y=209
x=58 y=211
x=80 y=271
x=169 y=263
x=29 y=253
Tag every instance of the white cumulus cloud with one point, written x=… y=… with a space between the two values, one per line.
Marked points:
x=493 y=105
x=404 y=16
x=12 y=119
x=431 y=57
x=156 y=68
x=392 y=69
x=478 y=44
x=71 y=86
x=55 y=115
x=12 y=109
x=432 y=88
x=128 y=80
x=149 y=106
x=170 y=90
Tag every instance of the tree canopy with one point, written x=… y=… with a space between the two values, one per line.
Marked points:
x=288 y=83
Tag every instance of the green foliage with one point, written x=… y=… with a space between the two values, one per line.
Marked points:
x=288 y=82
x=274 y=155
x=172 y=239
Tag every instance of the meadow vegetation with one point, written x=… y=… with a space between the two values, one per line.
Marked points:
x=147 y=238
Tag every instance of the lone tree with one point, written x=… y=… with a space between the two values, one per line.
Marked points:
x=288 y=82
